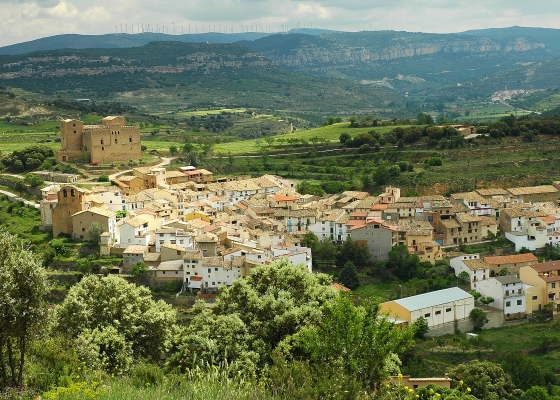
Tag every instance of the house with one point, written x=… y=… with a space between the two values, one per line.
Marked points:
x=508 y=293
x=132 y=255
x=512 y=262
x=295 y=220
x=82 y=220
x=152 y=177
x=331 y=225
x=378 y=236
x=129 y=184
x=476 y=203
x=545 y=279
x=461 y=228
x=171 y=270
x=417 y=236
x=532 y=194
x=442 y=307
x=474 y=266
x=134 y=230
x=173 y=236
x=112 y=198
x=523 y=227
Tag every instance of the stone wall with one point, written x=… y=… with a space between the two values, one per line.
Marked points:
x=450 y=328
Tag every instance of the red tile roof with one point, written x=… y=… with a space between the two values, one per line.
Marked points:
x=514 y=259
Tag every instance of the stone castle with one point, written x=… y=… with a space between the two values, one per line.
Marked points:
x=112 y=141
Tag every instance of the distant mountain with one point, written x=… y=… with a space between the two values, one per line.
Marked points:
x=547 y=36
x=538 y=75
x=112 y=41
x=402 y=60
x=168 y=76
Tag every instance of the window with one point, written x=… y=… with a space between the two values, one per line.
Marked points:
x=209 y=270
x=553 y=285
x=519 y=302
x=101 y=141
x=448 y=309
x=534 y=297
x=438 y=312
x=83 y=229
x=426 y=315
x=115 y=140
x=130 y=139
x=215 y=269
x=508 y=303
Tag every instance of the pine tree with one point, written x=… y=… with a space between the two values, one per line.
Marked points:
x=349 y=276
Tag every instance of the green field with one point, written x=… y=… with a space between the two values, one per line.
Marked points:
x=331 y=133
x=199 y=113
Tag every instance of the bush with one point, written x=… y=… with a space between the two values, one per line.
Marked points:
x=434 y=162
x=103 y=178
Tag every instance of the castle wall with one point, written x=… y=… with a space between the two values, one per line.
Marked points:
x=114 y=143
x=111 y=142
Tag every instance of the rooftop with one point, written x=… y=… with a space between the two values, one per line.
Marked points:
x=513 y=259
x=444 y=296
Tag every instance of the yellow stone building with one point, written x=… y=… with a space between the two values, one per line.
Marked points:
x=112 y=141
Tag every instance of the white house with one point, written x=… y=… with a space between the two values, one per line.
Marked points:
x=508 y=293
x=477 y=269
x=173 y=236
x=134 y=231
x=113 y=200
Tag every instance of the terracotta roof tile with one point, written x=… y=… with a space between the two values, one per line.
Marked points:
x=513 y=259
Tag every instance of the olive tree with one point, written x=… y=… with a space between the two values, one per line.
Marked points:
x=23 y=286
x=95 y=230
x=485 y=379
x=363 y=341
x=254 y=316
x=109 y=310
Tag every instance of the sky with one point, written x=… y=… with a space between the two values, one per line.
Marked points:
x=24 y=20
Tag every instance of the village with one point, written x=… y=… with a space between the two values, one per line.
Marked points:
x=189 y=227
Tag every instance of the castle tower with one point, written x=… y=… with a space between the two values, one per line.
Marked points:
x=71 y=134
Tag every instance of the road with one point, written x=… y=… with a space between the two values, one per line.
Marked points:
x=15 y=197
x=164 y=161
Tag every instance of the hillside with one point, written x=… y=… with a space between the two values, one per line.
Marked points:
x=112 y=41
x=549 y=37
x=403 y=60
x=533 y=75
x=173 y=75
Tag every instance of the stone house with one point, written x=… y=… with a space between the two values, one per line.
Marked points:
x=378 y=236
x=82 y=220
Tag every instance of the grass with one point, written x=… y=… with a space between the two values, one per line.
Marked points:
x=199 y=113
x=22 y=221
x=331 y=133
x=381 y=291
x=495 y=342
